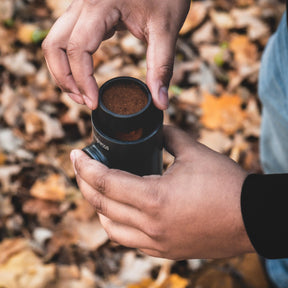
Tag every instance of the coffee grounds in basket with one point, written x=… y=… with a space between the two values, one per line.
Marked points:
x=124 y=98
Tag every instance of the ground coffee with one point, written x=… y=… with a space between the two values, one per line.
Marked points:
x=124 y=98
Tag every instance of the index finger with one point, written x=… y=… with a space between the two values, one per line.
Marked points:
x=54 y=49
x=92 y=27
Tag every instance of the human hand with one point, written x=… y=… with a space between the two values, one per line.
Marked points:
x=77 y=34
x=192 y=211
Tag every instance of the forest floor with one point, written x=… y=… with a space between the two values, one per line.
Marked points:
x=50 y=236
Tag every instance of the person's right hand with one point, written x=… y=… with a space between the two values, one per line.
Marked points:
x=192 y=211
x=77 y=34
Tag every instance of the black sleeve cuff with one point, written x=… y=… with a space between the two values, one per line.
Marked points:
x=265 y=213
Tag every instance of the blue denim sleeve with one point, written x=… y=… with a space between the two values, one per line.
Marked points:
x=265 y=213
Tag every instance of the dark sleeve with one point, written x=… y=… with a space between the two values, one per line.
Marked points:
x=264 y=208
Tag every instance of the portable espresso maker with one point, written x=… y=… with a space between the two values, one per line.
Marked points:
x=127 y=128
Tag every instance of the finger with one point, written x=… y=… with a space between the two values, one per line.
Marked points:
x=120 y=186
x=54 y=47
x=160 y=60
x=126 y=236
x=116 y=211
x=93 y=25
x=176 y=141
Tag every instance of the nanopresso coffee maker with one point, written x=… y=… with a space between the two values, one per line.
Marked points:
x=127 y=128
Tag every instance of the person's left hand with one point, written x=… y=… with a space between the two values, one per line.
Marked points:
x=192 y=211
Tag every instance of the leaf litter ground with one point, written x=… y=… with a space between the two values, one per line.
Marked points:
x=50 y=237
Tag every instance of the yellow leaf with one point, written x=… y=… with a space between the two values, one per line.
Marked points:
x=222 y=113
x=53 y=188
x=21 y=267
x=25 y=32
x=245 y=52
x=3 y=158
x=175 y=281
x=145 y=283
x=196 y=15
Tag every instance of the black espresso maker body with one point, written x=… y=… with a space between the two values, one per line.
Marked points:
x=130 y=142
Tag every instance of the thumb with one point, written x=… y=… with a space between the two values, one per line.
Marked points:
x=160 y=60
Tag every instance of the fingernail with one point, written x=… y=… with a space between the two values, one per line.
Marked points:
x=163 y=96
x=88 y=102
x=73 y=159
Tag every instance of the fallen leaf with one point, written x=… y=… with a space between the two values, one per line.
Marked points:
x=196 y=15
x=222 y=113
x=6 y=173
x=25 y=32
x=204 y=34
x=53 y=188
x=132 y=45
x=19 y=64
x=245 y=52
x=33 y=123
x=58 y=6
x=222 y=20
x=88 y=233
x=6 y=9
x=21 y=268
x=6 y=207
x=73 y=277
x=253 y=120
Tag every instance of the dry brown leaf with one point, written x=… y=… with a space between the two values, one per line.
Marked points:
x=222 y=113
x=253 y=119
x=58 y=6
x=88 y=234
x=209 y=52
x=6 y=9
x=250 y=18
x=196 y=15
x=6 y=172
x=6 y=207
x=222 y=20
x=132 y=45
x=83 y=212
x=245 y=52
x=190 y=97
x=9 y=98
x=244 y=3
x=21 y=268
x=204 y=34
x=19 y=64
x=3 y=158
x=33 y=123
x=10 y=247
x=73 y=277
x=173 y=281
x=45 y=211
x=54 y=188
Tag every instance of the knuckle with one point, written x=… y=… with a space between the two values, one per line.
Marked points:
x=156 y=231
x=46 y=45
x=73 y=48
x=100 y=184
x=166 y=70
x=99 y=204
x=155 y=200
